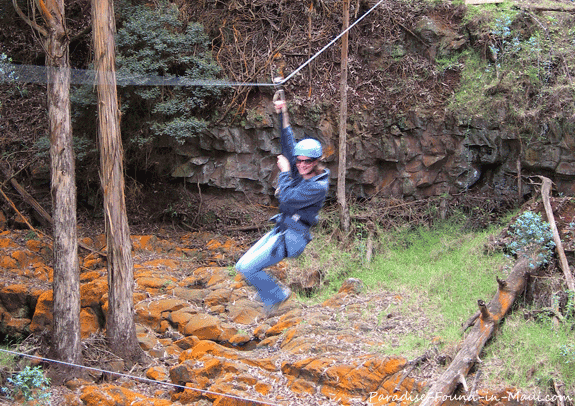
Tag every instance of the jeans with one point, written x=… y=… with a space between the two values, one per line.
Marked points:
x=268 y=251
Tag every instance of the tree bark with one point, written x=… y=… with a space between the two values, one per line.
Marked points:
x=66 y=338
x=489 y=317
x=120 y=324
x=342 y=166
x=66 y=345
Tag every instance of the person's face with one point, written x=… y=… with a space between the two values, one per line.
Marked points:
x=305 y=166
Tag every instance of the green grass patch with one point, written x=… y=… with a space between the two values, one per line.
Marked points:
x=532 y=355
x=446 y=267
x=6 y=359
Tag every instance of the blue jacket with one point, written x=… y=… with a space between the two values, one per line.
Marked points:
x=300 y=199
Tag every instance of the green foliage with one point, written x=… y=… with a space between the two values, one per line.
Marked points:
x=515 y=74
x=505 y=44
x=530 y=234
x=6 y=359
x=6 y=72
x=475 y=77
x=567 y=353
x=83 y=148
x=153 y=42
x=453 y=61
x=30 y=384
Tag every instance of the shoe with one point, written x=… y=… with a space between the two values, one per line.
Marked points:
x=273 y=309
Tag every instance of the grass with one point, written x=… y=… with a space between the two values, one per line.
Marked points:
x=6 y=359
x=442 y=272
x=532 y=355
x=446 y=266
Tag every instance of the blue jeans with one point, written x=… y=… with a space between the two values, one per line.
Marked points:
x=268 y=251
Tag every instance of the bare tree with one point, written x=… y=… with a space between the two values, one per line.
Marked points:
x=120 y=324
x=342 y=170
x=66 y=345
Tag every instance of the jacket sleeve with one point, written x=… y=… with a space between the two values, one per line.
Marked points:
x=288 y=146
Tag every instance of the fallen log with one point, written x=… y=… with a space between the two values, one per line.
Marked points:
x=489 y=317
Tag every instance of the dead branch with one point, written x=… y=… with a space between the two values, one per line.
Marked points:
x=545 y=192
x=28 y=21
x=412 y=365
x=45 y=216
x=559 y=9
x=470 y=322
x=11 y=203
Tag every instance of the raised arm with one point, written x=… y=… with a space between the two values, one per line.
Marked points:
x=287 y=138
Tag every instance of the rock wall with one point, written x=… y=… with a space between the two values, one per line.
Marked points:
x=415 y=158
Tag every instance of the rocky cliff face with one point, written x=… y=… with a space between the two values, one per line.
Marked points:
x=417 y=158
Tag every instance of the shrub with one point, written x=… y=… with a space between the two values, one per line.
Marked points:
x=530 y=234
x=156 y=52
x=6 y=71
x=152 y=42
x=30 y=384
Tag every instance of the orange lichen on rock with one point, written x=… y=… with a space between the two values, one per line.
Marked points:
x=111 y=395
x=144 y=242
x=204 y=347
x=42 y=319
x=281 y=326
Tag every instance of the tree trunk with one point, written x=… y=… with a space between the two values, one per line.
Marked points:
x=120 y=324
x=67 y=344
x=342 y=166
x=489 y=317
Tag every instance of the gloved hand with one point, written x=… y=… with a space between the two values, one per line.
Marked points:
x=280 y=106
x=283 y=164
x=279 y=102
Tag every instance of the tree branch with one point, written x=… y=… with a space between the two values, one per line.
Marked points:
x=31 y=23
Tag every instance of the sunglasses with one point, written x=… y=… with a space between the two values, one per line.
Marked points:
x=305 y=161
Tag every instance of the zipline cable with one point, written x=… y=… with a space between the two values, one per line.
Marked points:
x=330 y=44
x=37 y=74
x=145 y=380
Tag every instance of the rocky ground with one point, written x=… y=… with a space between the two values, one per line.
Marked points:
x=207 y=337
x=203 y=327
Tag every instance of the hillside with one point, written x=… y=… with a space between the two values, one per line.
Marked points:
x=442 y=98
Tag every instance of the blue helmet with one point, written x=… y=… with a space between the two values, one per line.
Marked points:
x=308 y=147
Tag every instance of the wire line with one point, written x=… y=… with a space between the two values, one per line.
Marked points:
x=145 y=380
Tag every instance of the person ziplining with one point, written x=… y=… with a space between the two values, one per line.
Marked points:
x=302 y=187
